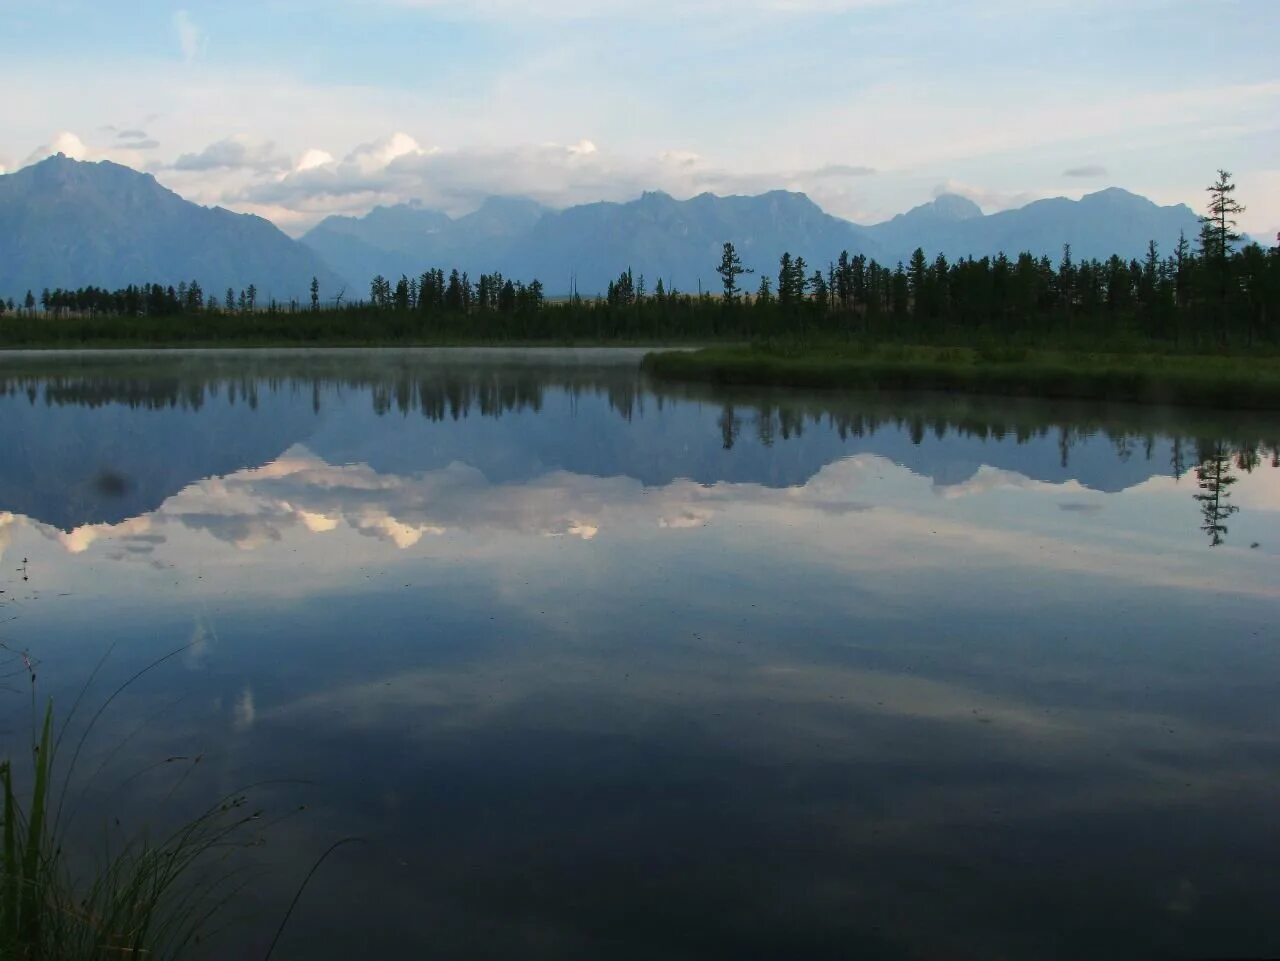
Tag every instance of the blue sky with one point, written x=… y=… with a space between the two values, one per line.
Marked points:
x=298 y=109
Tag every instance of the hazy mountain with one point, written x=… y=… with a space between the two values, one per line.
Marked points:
x=680 y=241
x=408 y=238
x=64 y=223
x=656 y=235
x=68 y=224
x=1111 y=221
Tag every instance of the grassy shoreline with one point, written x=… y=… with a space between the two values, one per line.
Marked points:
x=1227 y=381
x=250 y=343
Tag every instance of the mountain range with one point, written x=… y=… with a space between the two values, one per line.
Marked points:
x=69 y=224
x=65 y=223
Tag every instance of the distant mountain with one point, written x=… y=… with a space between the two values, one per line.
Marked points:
x=680 y=241
x=1111 y=221
x=69 y=224
x=656 y=235
x=408 y=238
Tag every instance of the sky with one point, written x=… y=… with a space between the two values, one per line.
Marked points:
x=297 y=109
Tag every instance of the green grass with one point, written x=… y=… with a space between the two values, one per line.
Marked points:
x=139 y=897
x=1224 y=381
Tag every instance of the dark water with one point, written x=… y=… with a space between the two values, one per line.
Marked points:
x=601 y=670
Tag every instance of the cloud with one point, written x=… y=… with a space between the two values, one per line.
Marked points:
x=458 y=508
x=987 y=198
x=397 y=169
x=202 y=638
x=131 y=135
x=234 y=153
x=244 y=712
x=63 y=143
x=190 y=37
x=1090 y=171
x=987 y=479
x=839 y=170
x=312 y=159
x=380 y=154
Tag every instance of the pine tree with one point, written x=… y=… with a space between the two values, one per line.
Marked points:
x=1218 y=227
x=784 y=280
x=1217 y=238
x=730 y=270
x=764 y=294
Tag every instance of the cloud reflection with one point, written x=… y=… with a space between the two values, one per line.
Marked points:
x=863 y=513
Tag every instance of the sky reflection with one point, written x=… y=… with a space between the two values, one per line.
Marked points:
x=882 y=677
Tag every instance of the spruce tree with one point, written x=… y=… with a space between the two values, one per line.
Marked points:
x=730 y=270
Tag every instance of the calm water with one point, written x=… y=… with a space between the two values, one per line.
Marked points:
x=602 y=670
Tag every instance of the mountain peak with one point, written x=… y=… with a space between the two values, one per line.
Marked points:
x=1116 y=196
x=955 y=207
x=127 y=228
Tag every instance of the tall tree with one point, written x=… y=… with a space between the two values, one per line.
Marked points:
x=1218 y=234
x=1218 y=227
x=730 y=270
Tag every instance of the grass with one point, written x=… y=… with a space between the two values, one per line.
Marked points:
x=145 y=897
x=1222 y=381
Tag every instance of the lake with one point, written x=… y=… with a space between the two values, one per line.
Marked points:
x=598 y=668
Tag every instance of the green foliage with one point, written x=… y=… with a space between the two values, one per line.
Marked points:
x=1217 y=299
x=144 y=898
x=1213 y=381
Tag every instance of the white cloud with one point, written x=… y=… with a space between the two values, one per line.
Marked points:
x=244 y=712
x=377 y=156
x=397 y=168
x=312 y=159
x=64 y=143
x=190 y=37
x=131 y=152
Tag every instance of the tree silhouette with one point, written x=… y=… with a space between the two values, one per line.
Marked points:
x=730 y=270
x=1215 y=479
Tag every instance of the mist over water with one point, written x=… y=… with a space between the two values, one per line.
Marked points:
x=598 y=667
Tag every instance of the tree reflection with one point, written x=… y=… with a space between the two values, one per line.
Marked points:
x=1215 y=479
x=452 y=390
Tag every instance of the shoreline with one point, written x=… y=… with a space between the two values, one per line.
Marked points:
x=1227 y=382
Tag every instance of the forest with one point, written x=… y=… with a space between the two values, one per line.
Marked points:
x=1215 y=294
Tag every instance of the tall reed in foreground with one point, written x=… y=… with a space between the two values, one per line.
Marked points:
x=144 y=897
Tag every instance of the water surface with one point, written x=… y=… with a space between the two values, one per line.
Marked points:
x=598 y=668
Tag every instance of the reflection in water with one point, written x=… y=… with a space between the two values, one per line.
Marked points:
x=1215 y=479
x=441 y=390
x=607 y=669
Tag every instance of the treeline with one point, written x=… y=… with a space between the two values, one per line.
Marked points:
x=1213 y=294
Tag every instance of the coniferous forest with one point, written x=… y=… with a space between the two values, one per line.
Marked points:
x=1211 y=293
